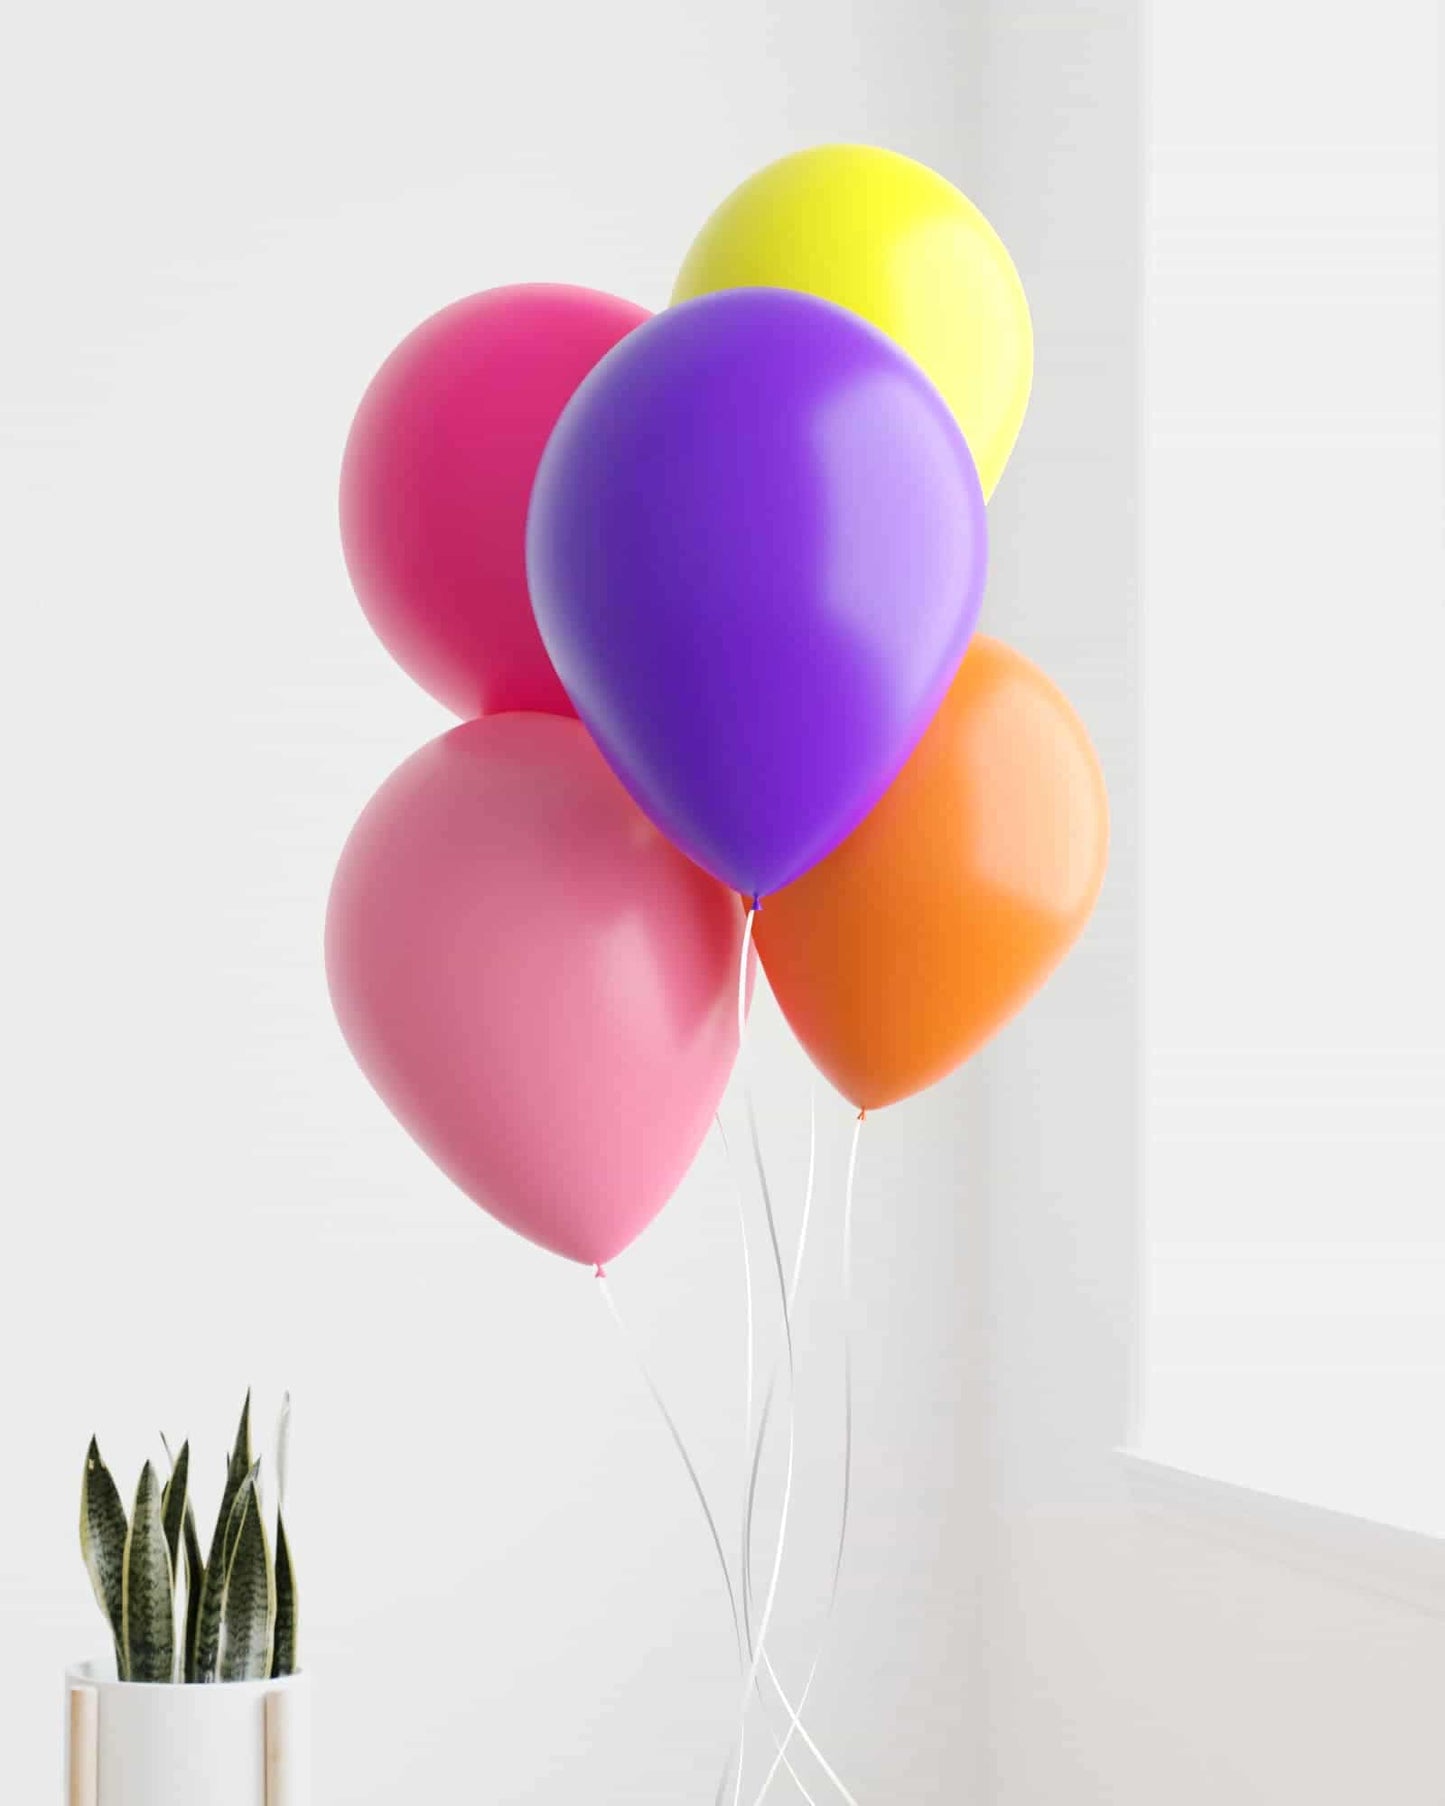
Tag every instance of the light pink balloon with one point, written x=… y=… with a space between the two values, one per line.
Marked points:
x=537 y=983
x=437 y=477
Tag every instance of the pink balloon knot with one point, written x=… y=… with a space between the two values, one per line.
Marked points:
x=600 y=1272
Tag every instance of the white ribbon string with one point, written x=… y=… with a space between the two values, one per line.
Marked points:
x=681 y=1447
x=701 y=1494
x=757 y=1647
x=752 y=1650
x=795 y=1713
x=699 y=1490
x=755 y=1450
x=749 y=1362
x=749 y=1338
x=807 y=1197
x=754 y=1453
x=770 y=1598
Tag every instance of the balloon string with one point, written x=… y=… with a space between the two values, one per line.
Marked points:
x=753 y=1453
x=701 y=1494
x=770 y=1598
x=750 y=1458
x=789 y=1299
x=743 y=977
x=807 y=1195
x=749 y=1341
x=749 y=1338
x=681 y=1447
x=742 y=1630
x=699 y=1490
x=795 y=1713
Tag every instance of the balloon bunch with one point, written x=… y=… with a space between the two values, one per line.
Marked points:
x=704 y=586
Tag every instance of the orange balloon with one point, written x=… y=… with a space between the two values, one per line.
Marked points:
x=898 y=955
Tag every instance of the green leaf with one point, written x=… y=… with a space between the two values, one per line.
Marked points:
x=241 y=1448
x=236 y=1519
x=102 y=1543
x=195 y=1564
x=195 y=1581
x=206 y=1638
x=173 y=1504
x=148 y=1628
x=283 y=1656
x=249 y=1614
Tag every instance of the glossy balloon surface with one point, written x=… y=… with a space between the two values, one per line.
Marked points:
x=541 y=989
x=896 y=243
x=436 y=479
x=757 y=549
x=900 y=954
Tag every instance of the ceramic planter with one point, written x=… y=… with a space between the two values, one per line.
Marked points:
x=231 y=1743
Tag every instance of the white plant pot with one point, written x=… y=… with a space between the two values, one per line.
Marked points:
x=230 y=1743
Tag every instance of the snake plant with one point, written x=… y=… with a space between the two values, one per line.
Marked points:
x=176 y=1614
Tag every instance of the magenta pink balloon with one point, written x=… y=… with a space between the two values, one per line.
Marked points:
x=537 y=983
x=436 y=480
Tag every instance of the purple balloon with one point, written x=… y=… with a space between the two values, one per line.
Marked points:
x=756 y=550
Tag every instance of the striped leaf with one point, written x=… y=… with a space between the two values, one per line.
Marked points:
x=241 y=1447
x=195 y=1581
x=173 y=1504
x=249 y=1613
x=195 y=1565
x=205 y=1647
x=148 y=1629
x=283 y=1656
x=102 y=1543
x=241 y=1464
x=237 y=1518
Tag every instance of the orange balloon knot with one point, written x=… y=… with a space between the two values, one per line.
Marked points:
x=862 y=1116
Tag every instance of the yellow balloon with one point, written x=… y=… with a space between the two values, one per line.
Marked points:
x=890 y=239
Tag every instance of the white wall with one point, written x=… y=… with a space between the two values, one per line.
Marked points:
x=216 y=226
x=1055 y=111
x=1293 y=744
x=1129 y=1656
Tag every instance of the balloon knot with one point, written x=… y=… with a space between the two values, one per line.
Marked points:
x=599 y=1271
x=757 y=903
x=862 y=1116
